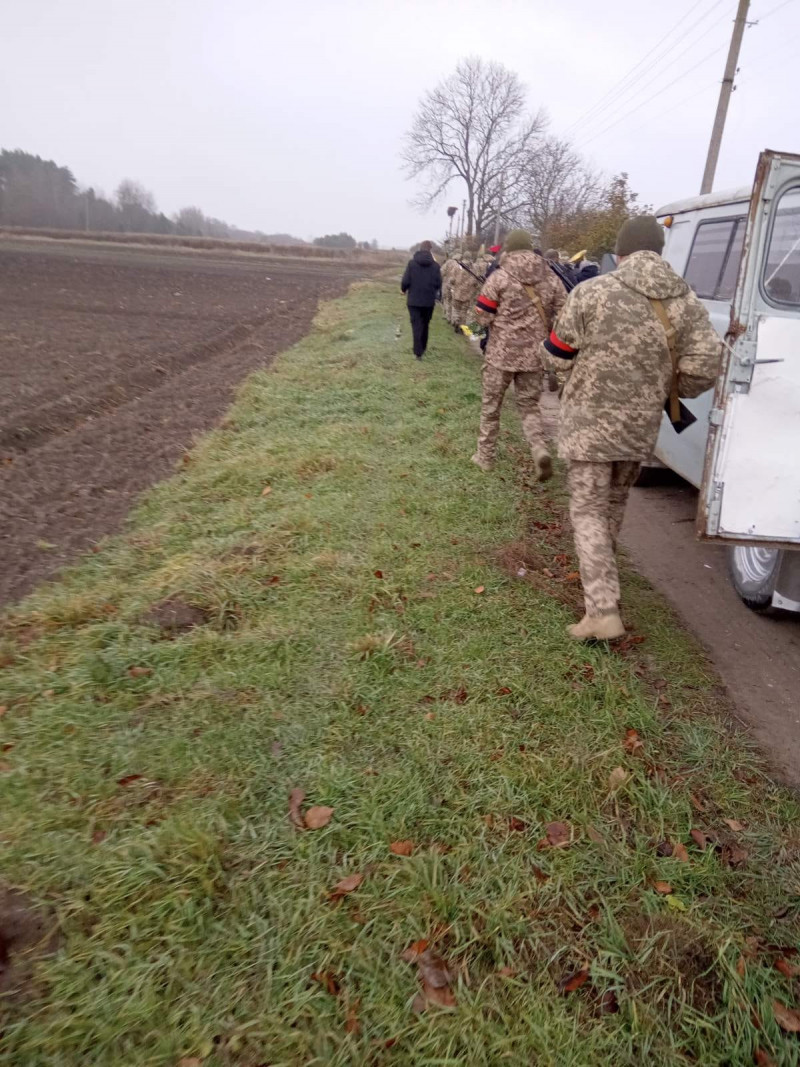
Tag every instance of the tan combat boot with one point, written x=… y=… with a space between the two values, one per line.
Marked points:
x=597 y=628
x=484 y=464
x=544 y=465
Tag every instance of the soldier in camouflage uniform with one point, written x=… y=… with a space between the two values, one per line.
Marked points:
x=614 y=344
x=519 y=303
x=448 y=273
x=464 y=289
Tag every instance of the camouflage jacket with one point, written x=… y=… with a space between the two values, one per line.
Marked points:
x=614 y=348
x=449 y=268
x=464 y=286
x=518 y=327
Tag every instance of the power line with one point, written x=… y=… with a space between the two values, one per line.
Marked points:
x=615 y=88
x=695 y=93
x=655 y=95
x=772 y=11
x=632 y=77
x=614 y=111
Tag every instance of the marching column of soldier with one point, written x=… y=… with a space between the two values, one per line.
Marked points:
x=624 y=346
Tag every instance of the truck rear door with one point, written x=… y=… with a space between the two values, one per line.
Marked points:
x=751 y=480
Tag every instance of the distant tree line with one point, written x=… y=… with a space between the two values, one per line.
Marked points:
x=36 y=192
x=343 y=240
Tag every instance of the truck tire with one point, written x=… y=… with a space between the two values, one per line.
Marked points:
x=754 y=572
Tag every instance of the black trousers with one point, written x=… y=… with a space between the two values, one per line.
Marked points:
x=420 y=321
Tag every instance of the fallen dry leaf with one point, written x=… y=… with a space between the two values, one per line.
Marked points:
x=632 y=742
x=573 y=980
x=662 y=887
x=788 y=970
x=433 y=969
x=516 y=824
x=573 y=576
x=128 y=779
x=419 y=1004
x=763 y=1060
x=503 y=691
x=401 y=848
x=98 y=836
x=539 y=874
x=699 y=839
x=139 y=672
x=595 y=835
x=190 y=1061
x=680 y=852
x=378 y=574
x=296 y=798
x=317 y=817
x=608 y=1004
x=558 y=834
x=266 y=490
x=741 y=966
x=787 y=1018
x=734 y=856
x=430 y=716
x=506 y=972
x=443 y=996
x=414 y=951
x=351 y=1023
x=481 y=589
x=328 y=980
x=4 y=709
x=734 y=825
x=617 y=778
x=346 y=885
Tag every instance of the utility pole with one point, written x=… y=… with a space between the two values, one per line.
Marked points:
x=725 y=96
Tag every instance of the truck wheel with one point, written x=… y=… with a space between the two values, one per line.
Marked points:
x=754 y=571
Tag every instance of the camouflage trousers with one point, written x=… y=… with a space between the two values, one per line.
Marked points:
x=461 y=312
x=598 y=493
x=527 y=390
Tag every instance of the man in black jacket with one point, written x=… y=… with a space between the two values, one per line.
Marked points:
x=423 y=283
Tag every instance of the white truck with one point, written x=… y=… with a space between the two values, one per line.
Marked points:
x=740 y=252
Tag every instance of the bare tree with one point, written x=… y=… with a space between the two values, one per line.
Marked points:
x=553 y=183
x=473 y=127
x=190 y=222
x=137 y=206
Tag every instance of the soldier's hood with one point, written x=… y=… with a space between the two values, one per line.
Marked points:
x=649 y=274
x=524 y=267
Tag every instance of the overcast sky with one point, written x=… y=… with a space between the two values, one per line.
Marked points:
x=288 y=117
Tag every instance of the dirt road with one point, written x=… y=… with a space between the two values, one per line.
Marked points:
x=758 y=657
x=112 y=360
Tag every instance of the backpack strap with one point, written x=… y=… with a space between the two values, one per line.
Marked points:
x=669 y=330
x=536 y=300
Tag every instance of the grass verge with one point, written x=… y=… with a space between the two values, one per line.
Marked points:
x=536 y=853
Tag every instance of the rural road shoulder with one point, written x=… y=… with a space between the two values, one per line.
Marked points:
x=757 y=657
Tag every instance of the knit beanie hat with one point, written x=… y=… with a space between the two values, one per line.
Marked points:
x=642 y=233
x=518 y=241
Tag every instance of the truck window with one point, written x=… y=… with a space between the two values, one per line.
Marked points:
x=713 y=264
x=782 y=265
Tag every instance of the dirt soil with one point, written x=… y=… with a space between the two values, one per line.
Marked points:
x=112 y=360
